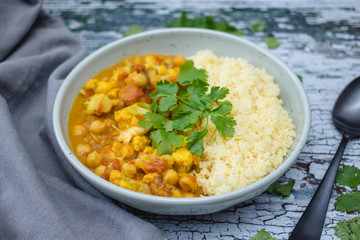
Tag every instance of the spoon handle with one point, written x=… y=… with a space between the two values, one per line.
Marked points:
x=311 y=222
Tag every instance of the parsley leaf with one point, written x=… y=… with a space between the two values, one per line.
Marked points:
x=300 y=77
x=349 y=202
x=281 y=189
x=164 y=141
x=348 y=176
x=257 y=26
x=195 y=143
x=217 y=93
x=224 y=124
x=272 y=42
x=349 y=229
x=263 y=235
x=224 y=108
x=189 y=74
x=177 y=106
x=133 y=29
x=183 y=120
x=156 y=120
x=206 y=22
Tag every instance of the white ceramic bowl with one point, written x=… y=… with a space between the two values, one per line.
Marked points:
x=187 y=42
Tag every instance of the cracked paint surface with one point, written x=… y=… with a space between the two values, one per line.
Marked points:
x=320 y=40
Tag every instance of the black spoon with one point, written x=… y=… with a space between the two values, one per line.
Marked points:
x=346 y=117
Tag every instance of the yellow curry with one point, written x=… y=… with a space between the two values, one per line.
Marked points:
x=106 y=137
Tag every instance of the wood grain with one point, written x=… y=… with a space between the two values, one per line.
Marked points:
x=320 y=40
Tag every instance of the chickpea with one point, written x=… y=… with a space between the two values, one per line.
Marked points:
x=140 y=80
x=129 y=170
x=97 y=126
x=127 y=151
x=179 y=60
x=189 y=195
x=93 y=159
x=188 y=183
x=153 y=77
x=78 y=130
x=171 y=177
x=83 y=148
x=100 y=170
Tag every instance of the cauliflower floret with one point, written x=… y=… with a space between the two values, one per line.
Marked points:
x=99 y=104
x=126 y=135
x=129 y=116
x=140 y=142
x=183 y=160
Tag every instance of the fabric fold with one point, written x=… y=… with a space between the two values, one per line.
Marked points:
x=41 y=195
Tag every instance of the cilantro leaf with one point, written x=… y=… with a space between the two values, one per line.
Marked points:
x=226 y=27
x=198 y=88
x=165 y=89
x=349 y=202
x=189 y=74
x=281 y=189
x=348 y=176
x=217 y=93
x=349 y=229
x=164 y=141
x=168 y=125
x=154 y=106
x=271 y=42
x=206 y=22
x=224 y=124
x=257 y=26
x=133 y=29
x=156 y=120
x=224 y=108
x=167 y=103
x=300 y=77
x=195 y=142
x=183 y=120
x=263 y=235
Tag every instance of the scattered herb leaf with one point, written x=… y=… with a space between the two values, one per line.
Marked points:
x=348 y=176
x=257 y=26
x=188 y=101
x=281 y=189
x=263 y=235
x=206 y=22
x=300 y=77
x=272 y=42
x=349 y=202
x=349 y=229
x=164 y=141
x=133 y=29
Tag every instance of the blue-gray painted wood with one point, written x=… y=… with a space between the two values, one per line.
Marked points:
x=320 y=40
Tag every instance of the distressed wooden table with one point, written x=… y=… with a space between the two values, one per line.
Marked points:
x=320 y=40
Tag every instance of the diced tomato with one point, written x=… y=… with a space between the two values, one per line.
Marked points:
x=156 y=165
x=139 y=68
x=130 y=93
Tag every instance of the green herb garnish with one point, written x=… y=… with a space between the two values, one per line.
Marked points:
x=271 y=42
x=257 y=26
x=206 y=22
x=349 y=229
x=281 y=189
x=187 y=101
x=263 y=235
x=300 y=77
x=348 y=176
x=349 y=202
x=133 y=29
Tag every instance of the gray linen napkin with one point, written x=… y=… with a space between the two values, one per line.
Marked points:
x=41 y=195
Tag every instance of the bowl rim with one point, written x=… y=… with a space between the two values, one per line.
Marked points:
x=110 y=187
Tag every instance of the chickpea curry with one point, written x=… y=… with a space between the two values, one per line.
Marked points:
x=106 y=136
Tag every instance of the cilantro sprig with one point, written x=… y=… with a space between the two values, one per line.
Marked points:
x=178 y=106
